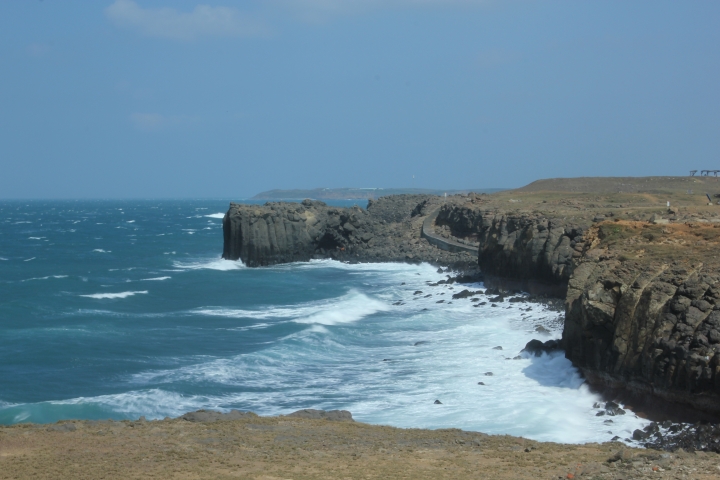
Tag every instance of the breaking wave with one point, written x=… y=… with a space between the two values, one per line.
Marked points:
x=113 y=295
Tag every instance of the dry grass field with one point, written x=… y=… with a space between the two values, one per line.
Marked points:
x=291 y=448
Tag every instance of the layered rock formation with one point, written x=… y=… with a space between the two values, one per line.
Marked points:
x=389 y=230
x=646 y=327
x=525 y=247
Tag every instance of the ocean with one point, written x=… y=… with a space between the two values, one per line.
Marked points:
x=122 y=309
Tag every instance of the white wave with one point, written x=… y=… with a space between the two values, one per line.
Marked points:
x=154 y=279
x=35 y=238
x=153 y=403
x=130 y=221
x=352 y=308
x=16 y=223
x=44 y=278
x=114 y=295
x=214 y=264
x=346 y=309
x=3 y=259
x=216 y=215
x=28 y=259
x=100 y=250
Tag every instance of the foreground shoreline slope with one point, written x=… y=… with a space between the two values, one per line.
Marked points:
x=640 y=281
x=244 y=445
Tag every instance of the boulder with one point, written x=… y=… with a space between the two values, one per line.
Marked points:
x=537 y=347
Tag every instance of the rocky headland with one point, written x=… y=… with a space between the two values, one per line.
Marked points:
x=639 y=279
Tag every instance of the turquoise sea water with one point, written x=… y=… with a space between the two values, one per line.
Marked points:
x=117 y=309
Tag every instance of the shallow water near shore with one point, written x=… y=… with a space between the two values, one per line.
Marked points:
x=121 y=309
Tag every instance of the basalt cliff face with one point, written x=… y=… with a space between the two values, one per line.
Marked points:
x=650 y=328
x=530 y=248
x=388 y=231
x=642 y=313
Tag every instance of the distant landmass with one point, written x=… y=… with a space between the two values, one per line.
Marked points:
x=359 y=193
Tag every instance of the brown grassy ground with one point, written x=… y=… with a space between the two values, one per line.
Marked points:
x=285 y=448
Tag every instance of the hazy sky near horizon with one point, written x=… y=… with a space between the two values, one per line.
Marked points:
x=160 y=98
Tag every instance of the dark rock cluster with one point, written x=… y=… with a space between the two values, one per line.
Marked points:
x=673 y=436
x=280 y=232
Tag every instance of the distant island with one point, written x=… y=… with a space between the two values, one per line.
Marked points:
x=359 y=193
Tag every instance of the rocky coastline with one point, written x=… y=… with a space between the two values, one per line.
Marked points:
x=639 y=281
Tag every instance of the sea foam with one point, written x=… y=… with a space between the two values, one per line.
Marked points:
x=113 y=295
x=216 y=215
x=346 y=309
x=214 y=264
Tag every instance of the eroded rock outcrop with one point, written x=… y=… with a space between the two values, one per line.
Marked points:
x=648 y=329
x=279 y=232
x=524 y=247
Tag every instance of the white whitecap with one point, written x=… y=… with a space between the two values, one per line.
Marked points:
x=155 y=279
x=100 y=250
x=44 y=278
x=28 y=259
x=130 y=221
x=353 y=307
x=216 y=215
x=346 y=309
x=114 y=295
x=214 y=264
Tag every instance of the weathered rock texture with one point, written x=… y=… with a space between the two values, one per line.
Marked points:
x=650 y=328
x=525 y=247
x=389 y=230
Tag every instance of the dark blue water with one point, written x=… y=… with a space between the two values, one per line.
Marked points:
x=124 y=308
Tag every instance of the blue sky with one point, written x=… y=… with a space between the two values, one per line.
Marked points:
x=149 y=98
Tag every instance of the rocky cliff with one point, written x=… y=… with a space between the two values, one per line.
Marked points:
x=649 y=326
x=526 y=247
x=642 y=295
x=388 y=231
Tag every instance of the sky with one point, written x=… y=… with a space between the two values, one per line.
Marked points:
x=179 y=99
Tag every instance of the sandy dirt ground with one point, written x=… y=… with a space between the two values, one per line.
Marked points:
x=291 y=448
